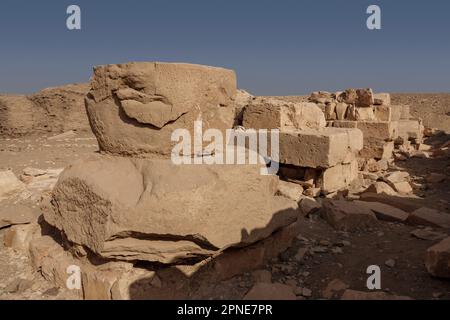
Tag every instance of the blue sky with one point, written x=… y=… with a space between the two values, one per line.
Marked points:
x=283 y=47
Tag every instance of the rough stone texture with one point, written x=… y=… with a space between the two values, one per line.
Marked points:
x=347 y=216
x=404 y=203
x=377 y=149
x=243 y=99
x=382 y=99
x=268 y=113
x=133 y=108
x=378 y=136
x=382 y=130
x=385 y=212
x=308 y=205
x=16 y=115
x=151 y=216
x=290 y=190
x=9 y=184
x=437 y=259
x=357 y=97
x=55 y=109
x=341 y=111
x=379 y=187
x=406 y=113
x=17 y=214
x=430 y=217
x=410 y=129
x=319 y=148
x=388 y=113
x=338 y=177
x=19 y=237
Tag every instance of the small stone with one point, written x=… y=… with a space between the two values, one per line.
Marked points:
x=319 y=249
x=430 y=235
x=301 y=254
x=334 y=287
x=306 y=292
x=337 y=250
x=51 y=292
x=390 y=263
x=312 y=192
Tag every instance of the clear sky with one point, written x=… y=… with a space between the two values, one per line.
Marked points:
x=282 y=47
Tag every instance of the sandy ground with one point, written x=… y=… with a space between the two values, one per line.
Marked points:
x=332 y=254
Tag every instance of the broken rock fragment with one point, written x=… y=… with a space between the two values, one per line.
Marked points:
x=151 y=216
x=348 y=216
x=437 y=259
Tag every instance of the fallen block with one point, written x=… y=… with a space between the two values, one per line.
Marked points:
x=338 y=177
x=430 y=217
x=437 y=259
x=347 y=216
x=385 y=212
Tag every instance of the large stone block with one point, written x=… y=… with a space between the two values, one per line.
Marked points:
x=382 y=99
x=388 y=113
x=165 y=213
x=347 y=216
x=410 y=129
x=133 y=108
x=323 y=148
x=360 y=114
x=338 y=177
x=406 y=113
x=267 y=113
x=381 y=130
x=377 y=149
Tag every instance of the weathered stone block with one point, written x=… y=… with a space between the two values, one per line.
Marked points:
x=266 y=113
x=382 y=99
x=319 y=148
x=338 y=177
x=381 y=130
x=134 y=108
x=410 y=129
x=140 y=218
x=388 y=113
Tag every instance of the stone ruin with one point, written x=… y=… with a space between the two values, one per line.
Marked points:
x=132 y=220
x=52 y=110
x=385 y=127
x=319 y=159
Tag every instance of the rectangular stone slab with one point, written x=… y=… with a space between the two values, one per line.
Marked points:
x=388 y=113
x=382 y=130
x=338 y=177
x=319 y=148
